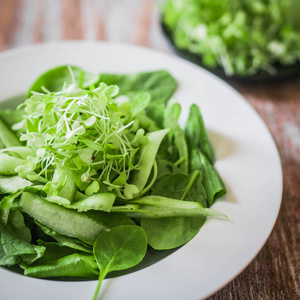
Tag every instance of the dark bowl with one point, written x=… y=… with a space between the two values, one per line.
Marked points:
x=283 y=72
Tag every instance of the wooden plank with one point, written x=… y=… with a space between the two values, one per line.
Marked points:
x=10 y=12
x=72 y=23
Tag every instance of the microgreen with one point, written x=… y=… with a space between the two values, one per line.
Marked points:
x=80 y=129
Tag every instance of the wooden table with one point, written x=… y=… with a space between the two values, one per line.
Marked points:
x=274 y=273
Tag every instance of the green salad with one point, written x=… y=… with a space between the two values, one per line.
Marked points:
x=98 y=177
x=242 y=37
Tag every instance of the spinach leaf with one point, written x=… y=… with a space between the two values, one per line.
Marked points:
x=169 y=233
x=181 y=186
x=179 y=143
x=13 y=248
x=65 y=241
x=73 y=265
x=61 y=261
x=11 y=116
x=212 y=182
x=121 y=248
x=53 y=251
x=54 y=79
x=17 y=224
x=5 y=206
x=159 y=84
x=139 y=102
x=196 y=133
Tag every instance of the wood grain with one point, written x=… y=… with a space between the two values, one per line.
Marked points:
x=274 y=273
x=72 y=26
x=9 y=22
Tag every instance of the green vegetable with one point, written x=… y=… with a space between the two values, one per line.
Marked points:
x=12 y=184
x=54 y=79
x=242 y=37
x=121 y=248
x=65 y=221
x=8 y=138
x=98 y=174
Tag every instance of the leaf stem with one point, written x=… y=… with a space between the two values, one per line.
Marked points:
x=191 y=182
x=100 y=280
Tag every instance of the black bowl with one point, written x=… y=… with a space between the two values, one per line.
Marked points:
x=283 y=72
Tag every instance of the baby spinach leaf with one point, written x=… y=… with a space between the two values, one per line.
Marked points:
x=54 y=79
x=14 y=246
x=159 y=84
x=73 y=265
x=171 y=185
x=121 y=248
x=155 y=113
x=11 y=116
x=53 y=251
x=169 y=233
x=172 y=232
x=139 y=102
x=5 y=206
x=166 y=167
x=179 y=142
x=17 y=224
x=65 y=241
x=172 y=110
x=8 y=260
x=212 y=182
x=181 y=186
x=196 y=133
x=196 y=192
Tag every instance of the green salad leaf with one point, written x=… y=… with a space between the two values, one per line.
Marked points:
x=98 y=178
x=121 y=248
x=242 y=37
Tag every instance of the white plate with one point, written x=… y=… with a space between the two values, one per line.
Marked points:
x=247 y=160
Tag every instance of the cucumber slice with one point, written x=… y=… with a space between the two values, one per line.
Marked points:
x=12 y=184
x=65 y=221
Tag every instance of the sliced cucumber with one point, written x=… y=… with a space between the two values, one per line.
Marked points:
x=69 y=190
x=65 y=221
x=101 y=201
x=12 y=184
